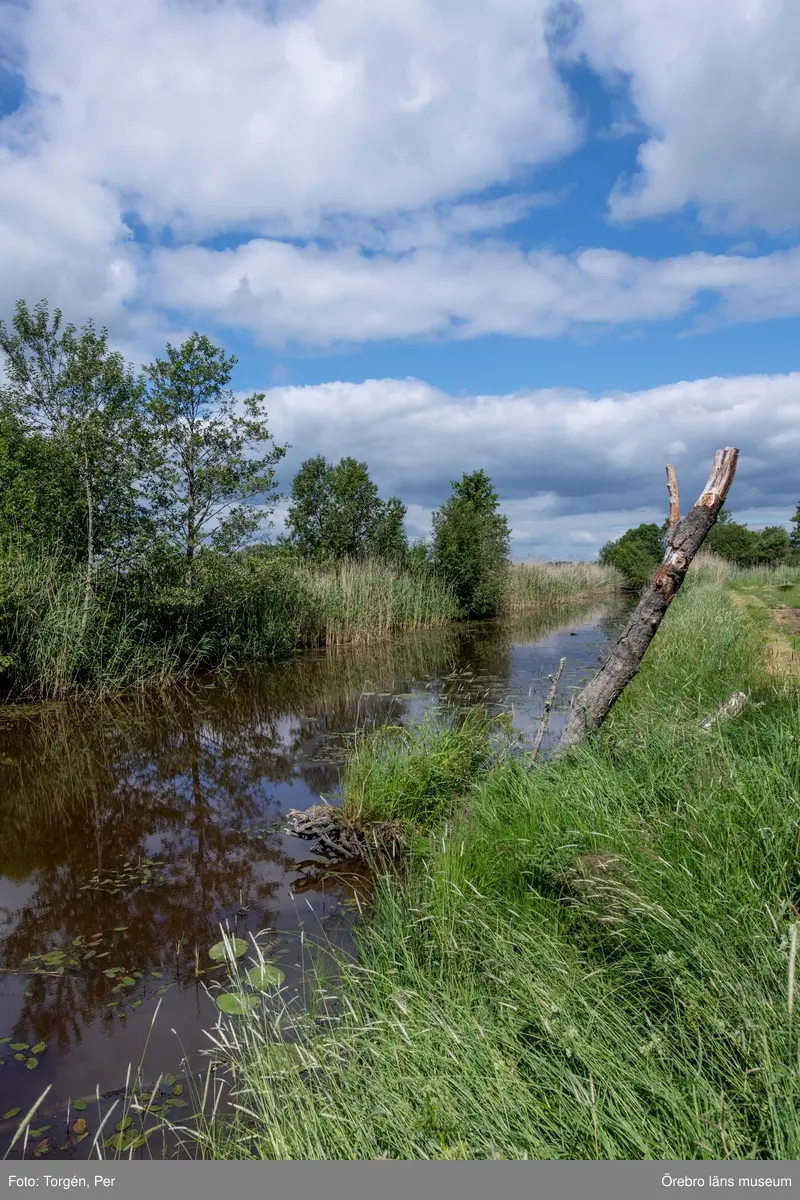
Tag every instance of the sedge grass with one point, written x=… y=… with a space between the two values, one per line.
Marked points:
x=594 y=959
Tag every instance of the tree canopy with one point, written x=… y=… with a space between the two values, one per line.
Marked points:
x=336 y=513
x=471 y=541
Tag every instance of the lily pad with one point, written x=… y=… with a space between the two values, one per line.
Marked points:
x=4 y=1040
x=219 y=951
x=19 y=1046
x=80 y=1126
x=234 y=1005
x=42 y=1148
x=12 y=1112
x=19 y=1057
x=157 y=974
x=32 y=1063
x=123 y=1124
x=264 y=977
x=39 y=1048
x=127 y=981
x=178 y=1089
x=80 y=1105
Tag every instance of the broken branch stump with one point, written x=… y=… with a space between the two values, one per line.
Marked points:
x=594 y=703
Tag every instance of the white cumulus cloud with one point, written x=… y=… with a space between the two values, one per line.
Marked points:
x=716 y=84
x=568 y=466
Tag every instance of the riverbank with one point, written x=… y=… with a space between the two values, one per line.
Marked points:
x=136 y=632
x=591 y=960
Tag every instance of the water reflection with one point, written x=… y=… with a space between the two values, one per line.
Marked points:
x=195 y=779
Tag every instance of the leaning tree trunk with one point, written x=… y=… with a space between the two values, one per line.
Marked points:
x=594 y=703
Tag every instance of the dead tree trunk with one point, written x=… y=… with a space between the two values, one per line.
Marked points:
x=598 y=697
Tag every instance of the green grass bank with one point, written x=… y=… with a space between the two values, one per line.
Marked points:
x=595 y=959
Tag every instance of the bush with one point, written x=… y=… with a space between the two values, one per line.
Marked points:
x=632 y=560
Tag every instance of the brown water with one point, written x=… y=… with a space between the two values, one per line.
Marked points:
x=188 y=787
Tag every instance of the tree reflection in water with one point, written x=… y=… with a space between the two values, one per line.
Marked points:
x=196 y=776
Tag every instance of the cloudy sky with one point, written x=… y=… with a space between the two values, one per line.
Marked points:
x=560 y=241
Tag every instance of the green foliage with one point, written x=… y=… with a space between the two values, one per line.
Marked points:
x=415 y=776
x=336 y=513
x=733 y=542
x=40 y=500
x=636 y=554
x=73 y=391
x=794 y=537
x=471 y=543
x=632 y=560
x=200 y=477
x=774 y=546
x=748 y=547
x=391 y=540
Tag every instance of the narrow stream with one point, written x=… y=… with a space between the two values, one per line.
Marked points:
x=130 y=829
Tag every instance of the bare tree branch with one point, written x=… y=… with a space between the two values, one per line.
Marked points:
x=548 y=704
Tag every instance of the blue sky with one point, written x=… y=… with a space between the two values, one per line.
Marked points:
x=558 y=241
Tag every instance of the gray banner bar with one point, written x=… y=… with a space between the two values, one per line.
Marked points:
x=399 y=1180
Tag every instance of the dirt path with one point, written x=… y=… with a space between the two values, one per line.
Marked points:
x=781 y=659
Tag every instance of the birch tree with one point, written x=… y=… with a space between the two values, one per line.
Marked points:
x=210 y=457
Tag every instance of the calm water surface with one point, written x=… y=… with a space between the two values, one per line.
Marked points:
x=174 y=802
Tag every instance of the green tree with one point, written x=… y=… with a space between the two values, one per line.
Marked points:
x=73 y=390
x=637 y=553
x=632 y=559
x=471 y=542
x=205 y=467
x=39 y=492
x=335 y=513
x=391 y=541
x=794 y=536
x=732 y=541
x=774 y=546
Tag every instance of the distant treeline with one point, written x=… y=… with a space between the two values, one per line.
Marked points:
x=639 y=551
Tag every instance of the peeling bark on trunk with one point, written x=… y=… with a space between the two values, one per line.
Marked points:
x=674 y=500
x=594 y=703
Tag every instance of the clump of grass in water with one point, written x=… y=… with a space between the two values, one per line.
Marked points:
x=596 y=960
x=415 y=775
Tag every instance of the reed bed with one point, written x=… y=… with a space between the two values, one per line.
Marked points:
x=537 y=585
x=361 y=602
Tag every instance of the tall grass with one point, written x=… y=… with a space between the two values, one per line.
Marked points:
x=360 y=602
x=49 y=646
x=592 y=960
x=534 y=585
x=144 y=628
x=415 y=775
